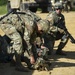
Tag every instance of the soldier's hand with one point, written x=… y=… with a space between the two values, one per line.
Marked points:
x=42 y=47
x=32 y=60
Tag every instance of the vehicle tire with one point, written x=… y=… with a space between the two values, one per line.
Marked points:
x=33 y=9
x=44 y=9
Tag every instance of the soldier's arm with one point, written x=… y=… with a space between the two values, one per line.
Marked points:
x=53 y=28
x=61 y=23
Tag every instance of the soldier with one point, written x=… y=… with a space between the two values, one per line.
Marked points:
x=27 y=28
x=57 y=28
x=67 y=5
x=33 y=29
x=32 y=26
x=12 y=33
x=10 y=25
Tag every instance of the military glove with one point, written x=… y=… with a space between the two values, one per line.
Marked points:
x=32 y=60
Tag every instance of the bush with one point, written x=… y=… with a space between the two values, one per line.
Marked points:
x=3 y=2
x=3 y=8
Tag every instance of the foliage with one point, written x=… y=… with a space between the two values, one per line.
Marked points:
x=3 y=2
x=3 y=8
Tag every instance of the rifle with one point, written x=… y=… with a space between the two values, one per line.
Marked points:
x=71 y=37
x=65 y=29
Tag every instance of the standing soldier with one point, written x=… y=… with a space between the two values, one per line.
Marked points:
x=67 y=5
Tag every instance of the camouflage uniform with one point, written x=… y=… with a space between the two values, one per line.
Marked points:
x=69 y=4
x=57 y=27
x=26 y=26
x=31 y=36
x=11 y=25
x=31 y=31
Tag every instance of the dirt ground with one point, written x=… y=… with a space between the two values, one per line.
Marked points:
x=61 y=65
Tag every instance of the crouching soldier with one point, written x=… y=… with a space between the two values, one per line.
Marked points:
x=57 y=30
x=33 y=29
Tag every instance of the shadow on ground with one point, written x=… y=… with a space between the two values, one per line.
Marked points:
x=63 y=61
x=6 y=69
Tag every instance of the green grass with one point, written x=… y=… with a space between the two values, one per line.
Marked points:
x=3 y=2
x=3 y=9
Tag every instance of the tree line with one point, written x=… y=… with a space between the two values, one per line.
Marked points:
x=3 y=2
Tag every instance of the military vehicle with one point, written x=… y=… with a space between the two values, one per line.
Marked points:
x=33 y=5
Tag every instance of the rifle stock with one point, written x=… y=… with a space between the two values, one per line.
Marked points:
x=65 y=29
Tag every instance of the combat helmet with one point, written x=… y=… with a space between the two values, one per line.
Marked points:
x=58 y=5
x=45 y=24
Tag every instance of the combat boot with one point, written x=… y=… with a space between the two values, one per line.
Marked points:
x=19 y=66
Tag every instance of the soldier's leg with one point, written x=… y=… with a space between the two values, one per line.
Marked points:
x=69 y=4
x=3 y=50
x=62 y=44
x=49 y=43
x=50 y=46
x=11 y=32
x=66 y=7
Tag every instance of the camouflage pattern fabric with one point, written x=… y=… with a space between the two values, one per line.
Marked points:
x=14 y=19
x=7 y=25
x=33 y=15
x=23 y=24
x=57 y=23
x=12 y=33
x=30 y=31
x=42 y=65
